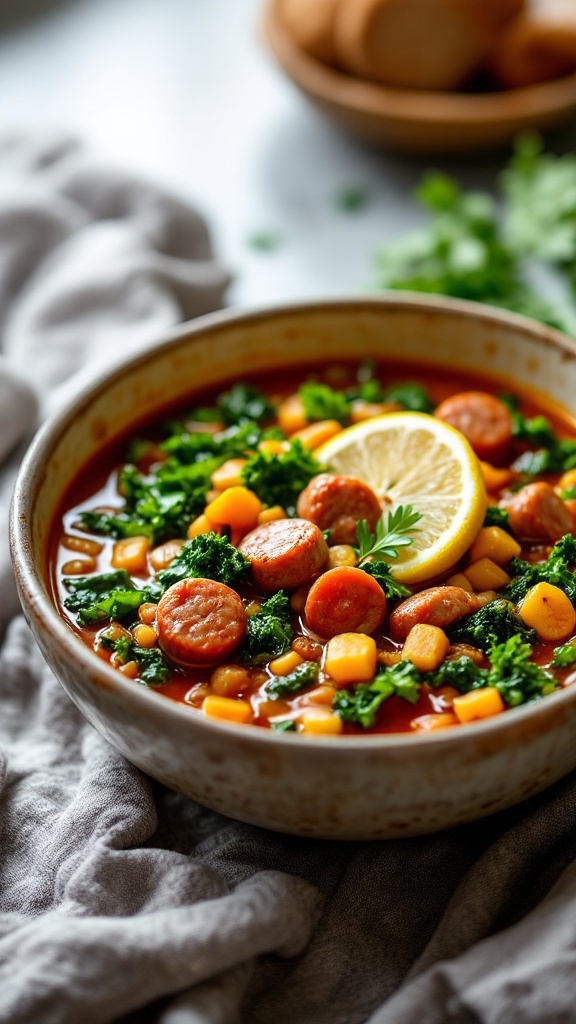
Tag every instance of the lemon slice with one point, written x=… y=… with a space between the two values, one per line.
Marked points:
x=409 y=458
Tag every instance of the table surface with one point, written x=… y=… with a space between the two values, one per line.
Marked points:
x=185 y=92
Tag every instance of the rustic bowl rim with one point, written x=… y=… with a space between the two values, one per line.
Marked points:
x=37 y=600
x=397 y=105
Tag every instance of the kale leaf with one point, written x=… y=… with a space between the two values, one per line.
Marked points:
x=517 y=678
x=565 y=655
x=303 y=675
x=208 y=556
x=556 y=570
x=152 y=665
x=496 y=516
x=494 y=623
x=410 y=396
x=321 y=402
x=286 y=725
x=361 y=705
x=269 y=633
x=242 y=404
x=461 y=673
x=279 y=479
x=381 y=573
x=107 y=595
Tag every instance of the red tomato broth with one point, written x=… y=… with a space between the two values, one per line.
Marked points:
x=187 y=685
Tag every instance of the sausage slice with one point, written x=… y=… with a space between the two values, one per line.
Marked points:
x=483 y=419
x=438 y=606
x=200 y=622
x=285 y=553
x=338 y=503
x=538 y=513
x=345 y=600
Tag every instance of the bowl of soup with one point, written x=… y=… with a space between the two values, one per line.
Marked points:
x=312 y=566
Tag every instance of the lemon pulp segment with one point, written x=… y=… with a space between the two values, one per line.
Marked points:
x=409 y=458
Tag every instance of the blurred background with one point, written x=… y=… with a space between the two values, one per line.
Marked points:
x=185 y=93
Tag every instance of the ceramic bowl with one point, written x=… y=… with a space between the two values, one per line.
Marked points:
x=348 y=788
x=419 y=121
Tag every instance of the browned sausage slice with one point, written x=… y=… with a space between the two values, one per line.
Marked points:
x=483 y=419
x=538 y=513
x=285 y=553
x=438 y=606
x=200 y=622
x=345 y=600
x=338 y=503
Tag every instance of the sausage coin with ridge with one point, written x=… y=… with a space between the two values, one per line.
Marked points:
x=200 y=622
x=284 y=554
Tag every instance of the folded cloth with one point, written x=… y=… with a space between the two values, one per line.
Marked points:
x=122 y=901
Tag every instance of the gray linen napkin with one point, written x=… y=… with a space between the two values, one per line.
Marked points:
x=122 y=901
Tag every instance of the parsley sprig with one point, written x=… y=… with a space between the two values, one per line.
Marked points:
x=383 y=545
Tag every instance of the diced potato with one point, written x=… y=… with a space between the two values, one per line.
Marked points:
x=291 y=415
x=131 y=553
x=236 y=507
x=144 y=635
x=164 y=554
x=229 y=474
x=486 y=575
x=229 y=680
x=285 y=663
x=201 y=525
x=320 y=721
x=549 y=611
x=460 y=580
x=341 y=554
x=269 y=515
x=434 y=721
x=476 y=704
x=315 y=434
x=350 y=658
x=494 y=543
x=494 y=477
x=227 y=709
x=426 y=647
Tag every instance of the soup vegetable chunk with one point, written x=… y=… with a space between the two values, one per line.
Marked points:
x=345 y=552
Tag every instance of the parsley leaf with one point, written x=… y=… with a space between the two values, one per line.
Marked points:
x=381 y=573
x=383 y=544
x=242 y=404
x=557 y=570
x=410 y=396
x=517 y=678
x=496 y=516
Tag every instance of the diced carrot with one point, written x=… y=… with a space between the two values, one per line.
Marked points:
x=131 y=553
x=494 y=543
x=291 y=415
x=495 y=478
x=433 y=721
x=285 y=663
x=486 y=575
x=129 y=669
x=227 y=709
x=322 y=694
x=229 y=474
x=320 y=721
x=481 y=703
x=426 y=647
x=549 y=611
x=236 y=507
x=315 y=434
x=388 y=658
x=350 y=658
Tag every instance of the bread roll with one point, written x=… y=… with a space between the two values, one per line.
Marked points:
x=538 y=45
x=421 y=44
x=311 y=25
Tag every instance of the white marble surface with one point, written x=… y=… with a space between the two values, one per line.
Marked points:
x=184 y=91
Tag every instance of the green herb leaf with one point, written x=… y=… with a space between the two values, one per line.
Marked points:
x=381 y=573
x=107 y=595
x=496 y=516
x=361 y=704
x=321 y=402
x=269 y=633
x=208 y=556
x=494 y=623
x=383 y=544
x=243 y=404
x=279 y=479
x=152 y=665
x=303 y=675
x=565 y=655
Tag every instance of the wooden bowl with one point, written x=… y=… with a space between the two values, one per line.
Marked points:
x=418 y=121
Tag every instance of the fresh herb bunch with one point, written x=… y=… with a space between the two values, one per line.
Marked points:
x=468 y=250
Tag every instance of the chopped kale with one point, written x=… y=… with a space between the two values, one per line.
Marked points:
x=381 y=573
x=243 y=403
x=279 y=479
x=107 y=595
x=286 y=725
x=303 y=675
x=517 y=678
x=496 y=516
x=410 y=396
x=152 y=665
x=208 y=556
x=494 y=623
x=461 y=673
x=269 y=633
x=165 y=502
x=551 y=454
x=360 y=705
x=557 y=570
x=321 y=402
x=116 y=526
x=565 y=655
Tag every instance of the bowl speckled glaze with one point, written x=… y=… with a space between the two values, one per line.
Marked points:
x=348 y=788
